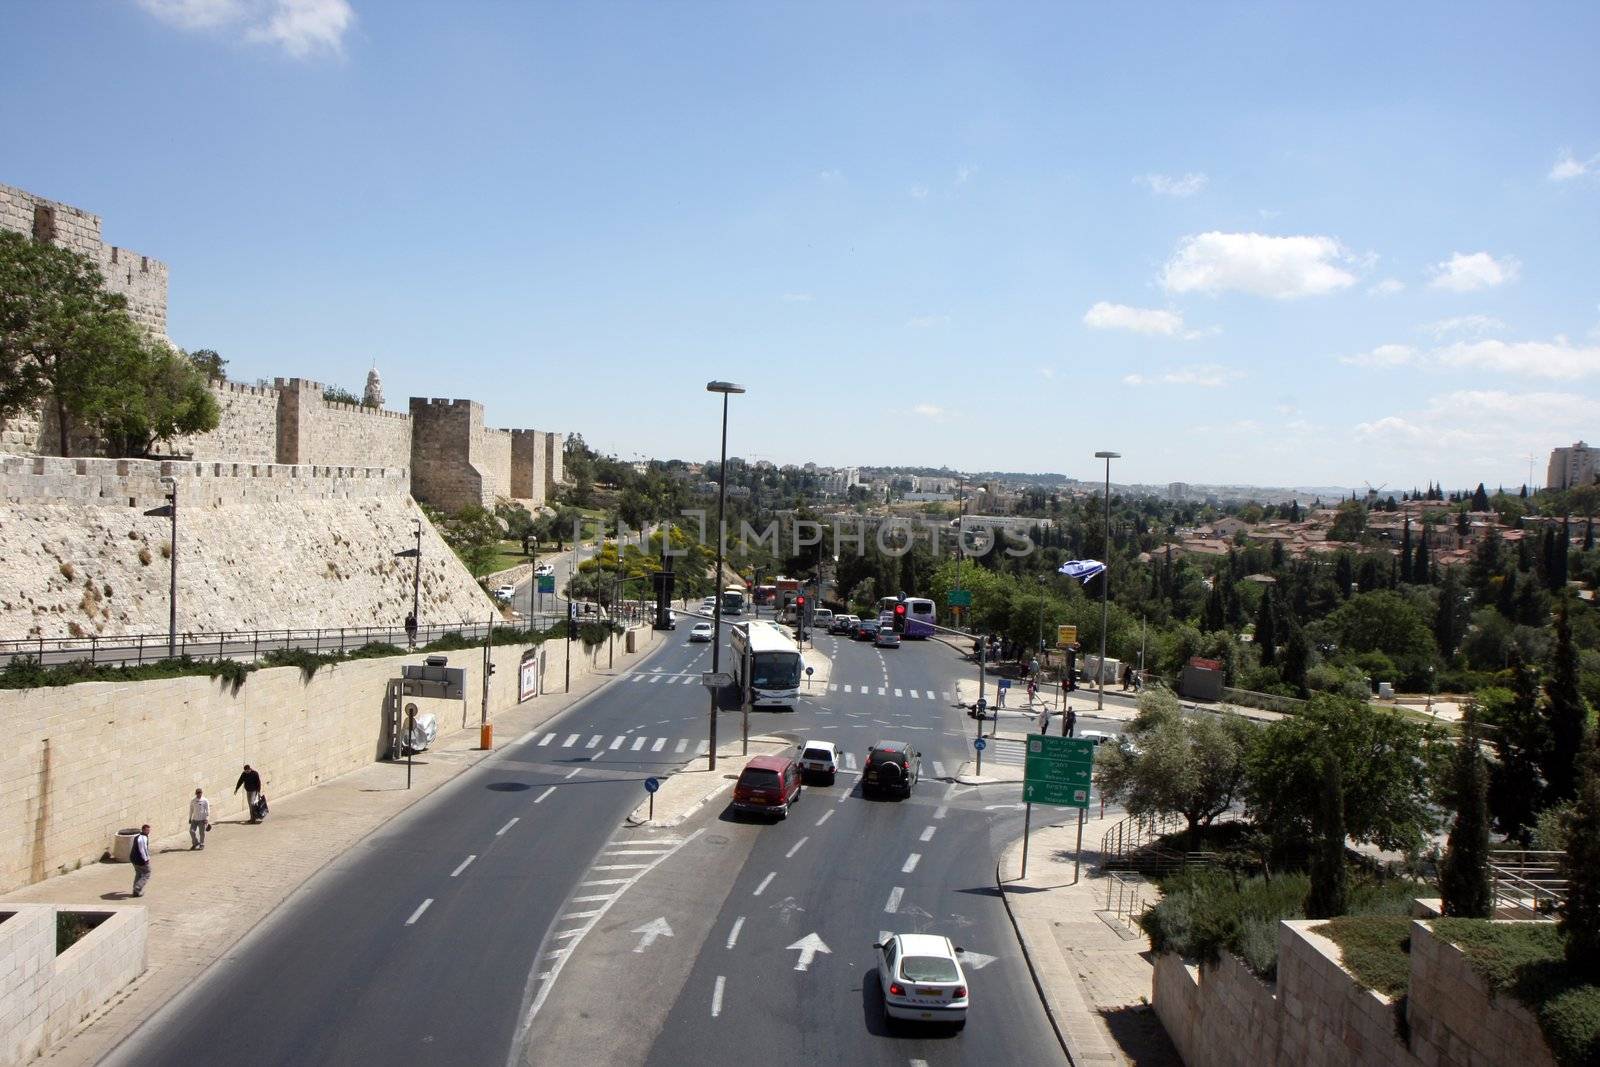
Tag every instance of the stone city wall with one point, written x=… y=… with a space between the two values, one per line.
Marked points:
x=528 y=461
x=261 y=546
x=247 y=430
x=1317 y=1015
x=494 y=452
x=444 y=473
x=313 y=429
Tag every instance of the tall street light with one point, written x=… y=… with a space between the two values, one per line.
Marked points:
x=1105 y=577
x=415 y=555
x=725 y=388
x=169 y=510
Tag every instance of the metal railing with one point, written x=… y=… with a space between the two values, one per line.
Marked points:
x=1126 y=898
x=1134 y=833
x=1526 y=882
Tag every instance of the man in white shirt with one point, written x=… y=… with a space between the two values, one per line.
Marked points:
x=140 y=857
x=199 y=820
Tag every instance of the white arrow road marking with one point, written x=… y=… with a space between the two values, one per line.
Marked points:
x=976 y=960
x=658 y=927
x=809 y=946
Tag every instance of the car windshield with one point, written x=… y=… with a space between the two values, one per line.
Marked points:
x=928 y=969
x=759 y=778
x=818 y=754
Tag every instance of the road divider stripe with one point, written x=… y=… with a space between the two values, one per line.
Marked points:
x=911 y=863
x=547 y=791
x=716 y=997
x=574 y=773
x=762 y=888
x=825 y=816
x=798 y=845
x=733 y=935
x=892 y=905
x=507 y=826
x=546 y=739
x=418 y=913
x=927 y=833
x=463 y=866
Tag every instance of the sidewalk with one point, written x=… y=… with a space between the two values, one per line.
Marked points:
x=201 y=903
x=1092 y=972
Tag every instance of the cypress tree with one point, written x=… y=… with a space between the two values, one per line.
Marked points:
x=1266 y=628
x=1296 y=658
x=1505 y=600
x=1588 y=534
x=1344 y=575
x=1567 y=711
x=1405 y=555
x=1215 y=615
x=1447 y=618
x=1563 y=551
x=1464 y=872
x=1580 y=912
x=1421 y=569
x=1522 y=743
x=1330 y=883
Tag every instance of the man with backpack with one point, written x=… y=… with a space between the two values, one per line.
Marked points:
x=250 y=781
x=140 y=858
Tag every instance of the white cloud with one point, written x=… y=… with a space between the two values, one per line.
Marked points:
x=1048 y=373
x=1557 y=359
x=832 y=176
x=928 y=411
x=1569 y=167
x=1468 y=325
x=1479 y=429
x=1387 y=287
x=1107 y=316
x=1465 y=272
x=919 y=192
x=797 y=298
x=1181 y=185
x=927 y=322
x=1382 y=356
x=301 y=28
x=1201 y=375
x=964 y=175
x=1263 y=265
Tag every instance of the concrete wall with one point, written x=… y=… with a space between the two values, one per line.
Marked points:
x=85 y=761
x=44 y=996
x=1318 y=1016
x=79 y=557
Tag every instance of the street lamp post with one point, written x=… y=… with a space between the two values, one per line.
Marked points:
x=725 y=388
x=169 y=510
x=1105 y=578
x=415 y=555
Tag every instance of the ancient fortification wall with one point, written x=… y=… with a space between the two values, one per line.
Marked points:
x=528 y=465
x=246 y=432
x=260 y=546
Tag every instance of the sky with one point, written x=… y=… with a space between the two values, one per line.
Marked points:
x=1297 y=244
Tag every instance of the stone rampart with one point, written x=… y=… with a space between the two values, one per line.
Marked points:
x=261 y=546
x=247 y=429
x=313 y=429
x=528 y=466
x=494 y=452
x=1318 y=1016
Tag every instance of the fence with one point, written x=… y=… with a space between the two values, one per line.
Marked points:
x=1526 y=883
x=1126 y=897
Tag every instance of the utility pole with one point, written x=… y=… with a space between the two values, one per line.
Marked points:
x=725 y=388
x=169 y=510
x=1105 y=577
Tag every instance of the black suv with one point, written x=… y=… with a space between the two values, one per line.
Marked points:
x=892 y=767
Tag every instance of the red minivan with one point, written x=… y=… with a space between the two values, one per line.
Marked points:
x=767 y=786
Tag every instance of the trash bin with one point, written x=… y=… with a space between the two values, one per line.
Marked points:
x=486 y=736
x=122 y=845
x=631 y=643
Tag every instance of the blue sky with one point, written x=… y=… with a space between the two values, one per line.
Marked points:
x=1237 y=243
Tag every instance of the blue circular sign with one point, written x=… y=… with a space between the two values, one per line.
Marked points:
x=980 y=744
x=652 y=784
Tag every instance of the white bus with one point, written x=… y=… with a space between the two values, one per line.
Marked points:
x=921 y=615
x=766 y=659
x=733 y=601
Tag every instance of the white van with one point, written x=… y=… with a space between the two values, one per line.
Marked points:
x=822 y=618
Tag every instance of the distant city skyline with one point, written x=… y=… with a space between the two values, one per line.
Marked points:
x=1238 y=245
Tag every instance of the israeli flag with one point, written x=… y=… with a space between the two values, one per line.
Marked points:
x=1082 y=569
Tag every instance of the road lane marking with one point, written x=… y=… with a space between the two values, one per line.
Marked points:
x=571 y=740
x=591 y=899
x=911 y=863
x=661 y=743
x=654 y=678
x=825 y=816
x=930 y=695
x=847 y=689
x=594 y=742
x=638 y=742
x=733 y=935
x=418 y=913
x=507 y=826
x=683 y=743
x=893 y=904
x=637 y=852
x=616 y=742
x=938 y=769
x=547 y=791
x=578 y=915
x=914 y=694
x=546 y=739
x=702 y=748
x=602 y=881
x=716 y=997
x=764 y=883
x=563 y=935
x=849 y=761
x=927 y=833
x=798 y=845
x=621 y=867
x=575 y=772
x=880 y=690
x=463 y=866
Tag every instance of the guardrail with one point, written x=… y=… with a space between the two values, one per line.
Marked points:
x=1527 y=882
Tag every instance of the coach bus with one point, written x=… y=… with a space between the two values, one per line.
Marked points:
x=921 y=616
x=733 y=601
x=767 y=661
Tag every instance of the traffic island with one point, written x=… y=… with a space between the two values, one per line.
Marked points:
x=695 y=784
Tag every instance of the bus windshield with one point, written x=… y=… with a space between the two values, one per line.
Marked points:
x=775 y=670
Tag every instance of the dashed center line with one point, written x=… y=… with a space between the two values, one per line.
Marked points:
x=463 y=866
x=825 y=816
x=893 y=904
x=575 y=772
x=547 y=791
x=716 y=997
x=762 y=888
x=798 y=845
x=507 y=826
x=911 y=863
x=733 y=935
x=418 y=913
x=927 y=833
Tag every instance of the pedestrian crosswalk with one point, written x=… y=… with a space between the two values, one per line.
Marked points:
x=598 y=745
x=850 y=688
x=1005 y=750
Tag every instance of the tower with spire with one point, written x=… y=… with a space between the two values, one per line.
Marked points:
x=373 y=396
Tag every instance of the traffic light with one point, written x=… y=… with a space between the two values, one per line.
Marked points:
x=900 y=618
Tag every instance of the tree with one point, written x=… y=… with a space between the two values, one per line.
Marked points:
x=1464 y=872
x=1266 y=636
x=208 y=362
x=1385 y=621
x=1567 y=711
x=1391 y=763
x=1480 y=498
x=1296 y=658
x=158 y=394
x=1580 y=912
x=474 y=534
x=1522 y=745
x=1405 y=555
x=1447 y=616
x=1422 y=566
x=1192 y=767
x=1329 y=892
x=1349 y=522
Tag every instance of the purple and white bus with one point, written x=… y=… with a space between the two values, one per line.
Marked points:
x=921 y=616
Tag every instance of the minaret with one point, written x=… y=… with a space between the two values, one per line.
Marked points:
x=373 y=397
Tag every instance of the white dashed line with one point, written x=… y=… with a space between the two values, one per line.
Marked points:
x=683 y=743
x=571 y=740
x=591 y=899
x=898 y=693
x=927 y=833
x=762 y=888
x=661 y=743
x=603 y=881
x=418 y=913
x=638 y=742
x=911 y=863
x=893 y=904
x=546 y=739
x=547 y=791
x=464 y=864
x=621 y=867
x=733 y=935
x=575 y=772
x=716 y=997
x=938 y=769
x=594 y=742
x=578 y=915
x=825 y=816
x=507 y=826
x=798 y=845
x=914 y=694
x=616 y=742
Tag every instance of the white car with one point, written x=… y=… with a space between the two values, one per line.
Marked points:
x=922 y=979
x=708 y=604
x=821 y=759
x=545 y=570
x=701 y=632
x=1099 y=737
x=504 y=593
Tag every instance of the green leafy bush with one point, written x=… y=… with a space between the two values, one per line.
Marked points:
x=25 y=672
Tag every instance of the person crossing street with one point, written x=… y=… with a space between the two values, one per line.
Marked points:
x=199 y=820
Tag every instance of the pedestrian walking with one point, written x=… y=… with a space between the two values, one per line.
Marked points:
x=250 y=782
x=199 y=820
x=140 y=856
x=1044 y=720
x=1127 y=676
x=1069 y=722
x=1000 y=693
x=1033 y=690
x=411 y=629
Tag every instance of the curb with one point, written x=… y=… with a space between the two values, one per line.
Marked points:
x=1033 y=972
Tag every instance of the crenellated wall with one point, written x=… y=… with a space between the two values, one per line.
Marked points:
x=247 y=430
x=528 y=465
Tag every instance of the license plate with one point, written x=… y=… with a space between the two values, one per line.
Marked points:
x=928 y=992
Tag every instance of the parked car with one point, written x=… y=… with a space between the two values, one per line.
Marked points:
x=767 y=786
x=702 y=632
x=842 y=624
x=822 y=618
x=891 y=767
x=886 y=638
x=819 y=759
x=922 y=979
x=866 y=630
x=504 y=593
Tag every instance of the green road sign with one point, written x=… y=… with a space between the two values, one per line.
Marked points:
x=547 y=583
x=959 y=598
x=1058 y=770
x=1058 y=793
